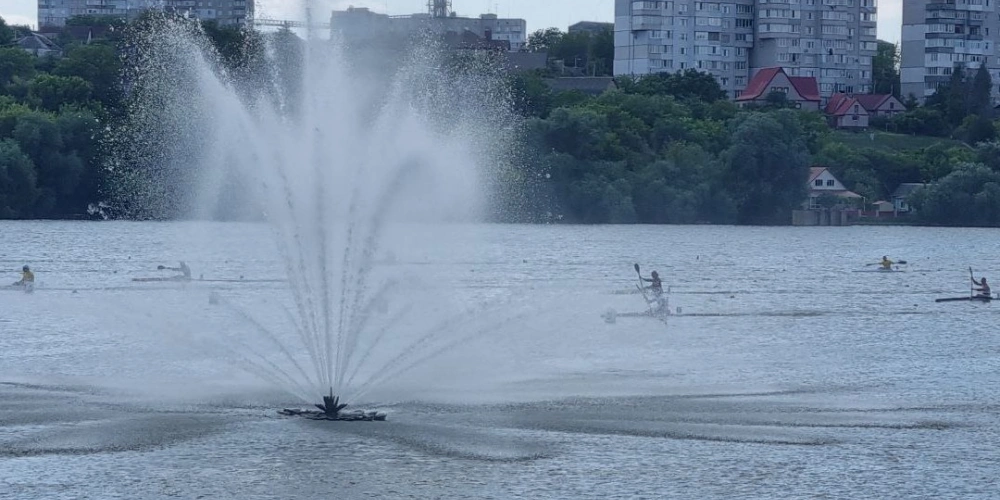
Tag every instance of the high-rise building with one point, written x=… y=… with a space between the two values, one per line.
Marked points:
x=940 y=34
x=831 y=40
x=226 y=12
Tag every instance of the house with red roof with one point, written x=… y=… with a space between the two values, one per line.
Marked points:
x=800 y=90
x=822 y=183
x=845 y=111
x=881 y=104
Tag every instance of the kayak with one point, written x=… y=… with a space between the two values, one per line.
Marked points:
x=879 y=270
x=981 y=298
x=174 y=278
x=19 y=288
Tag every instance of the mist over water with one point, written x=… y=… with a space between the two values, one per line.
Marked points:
x=341 y=162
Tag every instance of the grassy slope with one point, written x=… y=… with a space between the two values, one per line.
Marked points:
x=887 y=141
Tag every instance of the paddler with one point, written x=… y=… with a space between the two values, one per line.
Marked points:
x=27 y=277
x=656 y=286
x=984 y=289
x=886 y=263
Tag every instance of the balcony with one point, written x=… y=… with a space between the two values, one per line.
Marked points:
x=647 y=22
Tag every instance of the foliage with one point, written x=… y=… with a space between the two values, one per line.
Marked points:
x=6 y=33
x=766 y=166
x=664 y=148
x=885 y=69
x=969 y=195
x=581 y=52
x=687 y=84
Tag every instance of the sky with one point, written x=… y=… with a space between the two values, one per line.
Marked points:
x=539 y=13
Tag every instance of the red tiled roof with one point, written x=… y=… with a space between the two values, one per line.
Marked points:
x=845 y=107
x=805 y=85
x=872 y=102
x=835 y=101
x=758 y=84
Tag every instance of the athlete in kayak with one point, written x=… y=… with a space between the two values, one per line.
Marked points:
x=886 y=263
x=984 y=289
x=656 y=286
x=27 y=277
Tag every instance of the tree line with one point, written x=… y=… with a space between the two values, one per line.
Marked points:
x=663 y=148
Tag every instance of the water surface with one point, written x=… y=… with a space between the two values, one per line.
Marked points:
x=787 y=374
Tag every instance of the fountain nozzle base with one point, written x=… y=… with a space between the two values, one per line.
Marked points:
x=331 y=409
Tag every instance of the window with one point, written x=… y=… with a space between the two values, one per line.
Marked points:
x=819 y=182
x=829 y=182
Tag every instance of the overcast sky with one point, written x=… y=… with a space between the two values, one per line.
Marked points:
x=538 y=13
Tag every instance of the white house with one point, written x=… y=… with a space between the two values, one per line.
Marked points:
x=822 y=182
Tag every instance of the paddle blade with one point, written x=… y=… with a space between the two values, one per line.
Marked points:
x=160 y=267
x=637 y=267
x=901 y=262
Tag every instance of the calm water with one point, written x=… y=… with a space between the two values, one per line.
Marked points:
x=786 y=375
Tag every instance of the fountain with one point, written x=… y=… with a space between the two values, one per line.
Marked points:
x=335 y=160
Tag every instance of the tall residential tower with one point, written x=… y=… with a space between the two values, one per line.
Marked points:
x=831 y=40
x=939 y=34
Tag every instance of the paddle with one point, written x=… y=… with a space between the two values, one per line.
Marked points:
x=972 y=286
x=642 y=289
x=879 y=263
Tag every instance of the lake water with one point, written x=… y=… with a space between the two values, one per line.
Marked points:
x=786 y=374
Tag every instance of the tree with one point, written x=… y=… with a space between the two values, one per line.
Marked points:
x=530 y=95
x=51 y=92
x=544 y=40
x=766 y=166
x=955 y=103
x=602 y=53
x=885 y=69
x=981 y=93
x=6 y=33
x=777 y=99
x=969 y=195
x=687 y=84
x=17 y=182
x=98 y=65
x=15 y=63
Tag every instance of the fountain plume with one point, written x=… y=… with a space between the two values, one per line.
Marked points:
x=333 y=166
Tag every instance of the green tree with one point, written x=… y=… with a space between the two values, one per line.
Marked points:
x=969 y=195
x=6 y=33
x=17 y=182
x=981 y=93
x=602 y=53
x=687 y=84
x=544 y=40
x=530 y=95
x=15 y=64
x=766 y=166
x=885 y=68
x=51 y=92
x=99 y=66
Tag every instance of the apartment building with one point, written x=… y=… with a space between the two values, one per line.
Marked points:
x=831 y=40
x=674 y=35
x=940 y=34
x=54 y=13
x=361 y=25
